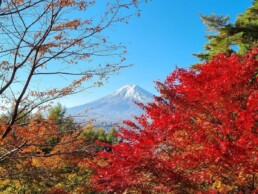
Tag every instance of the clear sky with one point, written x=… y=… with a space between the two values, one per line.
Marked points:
x=165 y=36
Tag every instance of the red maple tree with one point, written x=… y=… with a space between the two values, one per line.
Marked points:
x=199 y=135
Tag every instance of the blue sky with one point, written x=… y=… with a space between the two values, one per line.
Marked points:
x=165 y=36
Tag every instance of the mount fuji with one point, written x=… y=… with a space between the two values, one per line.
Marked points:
x=113 y=108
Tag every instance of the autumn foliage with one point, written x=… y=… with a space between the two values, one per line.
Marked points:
x=49 y=155
x=53 y=39
x=199 y=135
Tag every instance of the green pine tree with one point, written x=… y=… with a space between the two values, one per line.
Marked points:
x=57 y=114
x=111 y=136
x=225 y=37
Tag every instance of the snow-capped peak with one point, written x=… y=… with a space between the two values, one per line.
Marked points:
x=113 y=108
x=134 y=92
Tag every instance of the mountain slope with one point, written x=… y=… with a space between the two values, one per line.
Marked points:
x=113 y=108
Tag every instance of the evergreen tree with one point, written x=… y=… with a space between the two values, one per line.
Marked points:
x=57 y=115
x=225 y=37
x=101 y=135
x=111 y=136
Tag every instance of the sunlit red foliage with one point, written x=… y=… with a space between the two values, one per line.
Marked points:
x=200 y=134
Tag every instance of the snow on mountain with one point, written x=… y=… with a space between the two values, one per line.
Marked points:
x=113 y=108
